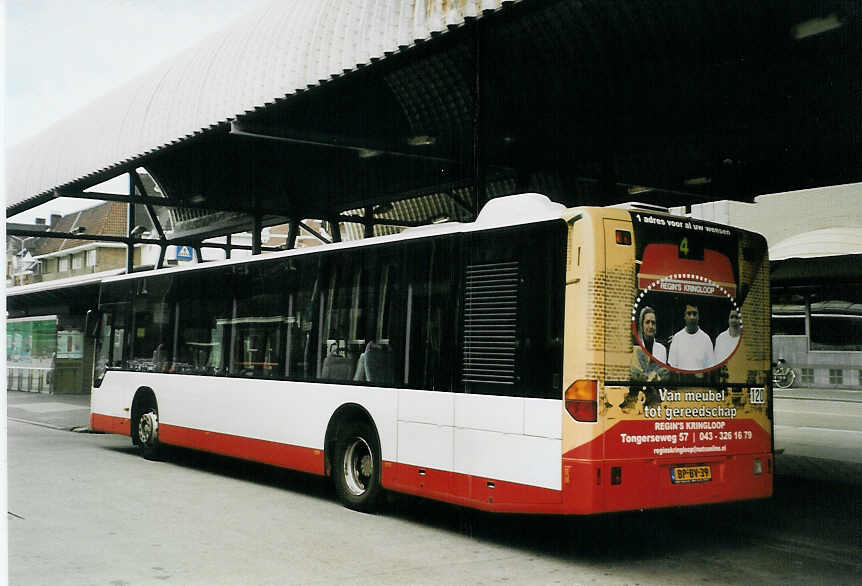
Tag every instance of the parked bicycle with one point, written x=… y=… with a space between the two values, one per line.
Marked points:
x=783 y=376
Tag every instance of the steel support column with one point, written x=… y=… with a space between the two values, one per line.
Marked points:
x=130 y=225
x=369 y=223
x=314 y=233
x=292 y=234
x=478 y=117
x=335 y=230
x=255 y=235
x=154 y=218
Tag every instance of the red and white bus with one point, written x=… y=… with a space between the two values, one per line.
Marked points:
x=535 y=360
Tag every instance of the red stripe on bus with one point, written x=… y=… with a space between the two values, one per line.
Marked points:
x=478 y=492
x=586 y=483
x=266 y=452
x=109 y=424
x=648 y=484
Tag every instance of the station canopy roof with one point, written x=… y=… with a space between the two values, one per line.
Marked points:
x=320 y=108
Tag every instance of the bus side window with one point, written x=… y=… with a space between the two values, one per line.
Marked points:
x=303 y=291
x=340 y=313
x=382 y=327
x=258 y=320
x=428 y=310
x=115 y=307
x=360 y=337
x=203 y=321
x=152 y=324
x=103 y=348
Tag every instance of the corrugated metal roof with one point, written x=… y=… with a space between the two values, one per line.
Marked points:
x=280 y=48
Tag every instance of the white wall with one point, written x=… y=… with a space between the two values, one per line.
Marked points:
x=779 y=216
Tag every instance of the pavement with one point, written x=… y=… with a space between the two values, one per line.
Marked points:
x=810 y=447
x=62 y=412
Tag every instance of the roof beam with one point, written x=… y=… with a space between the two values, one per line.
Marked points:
x=377 y=221
x=314 y=232
x=332 y=142
x=125 y=239
x=150 y=211
x=169 y=203
x=75 y=236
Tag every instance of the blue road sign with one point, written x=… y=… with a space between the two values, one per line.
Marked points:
x=185 y=253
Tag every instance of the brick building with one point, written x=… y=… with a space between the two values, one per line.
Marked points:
x=62 y=258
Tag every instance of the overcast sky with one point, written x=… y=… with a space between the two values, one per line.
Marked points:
x=62 y=54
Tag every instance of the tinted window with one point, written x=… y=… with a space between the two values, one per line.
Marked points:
x=152 y=329
x=204 y=309
x=524 y=264
x=302 y=290
x=360 y=337
x=259 y=320
x=793 y=325
x=431 y=314
x=836 y=332
x=112 y=344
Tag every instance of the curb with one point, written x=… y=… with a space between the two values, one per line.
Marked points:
x=75 y=429
x=40 y=424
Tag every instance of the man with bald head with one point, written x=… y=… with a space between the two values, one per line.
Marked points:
x=691 y=347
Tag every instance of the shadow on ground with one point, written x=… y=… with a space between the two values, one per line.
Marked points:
x=801 y=509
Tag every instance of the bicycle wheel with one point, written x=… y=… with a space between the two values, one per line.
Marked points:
x=783 y=380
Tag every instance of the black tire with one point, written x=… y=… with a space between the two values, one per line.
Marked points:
x=145 y=431
x=785 y=380
x=356 y=467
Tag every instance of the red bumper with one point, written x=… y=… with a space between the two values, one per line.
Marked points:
x=595 y=487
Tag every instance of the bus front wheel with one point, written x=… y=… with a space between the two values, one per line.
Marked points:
x=147 y=432
x=356 y=468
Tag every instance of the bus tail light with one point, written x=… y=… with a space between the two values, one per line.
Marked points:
x=624 y=237
x=758 y=467
x=582 y=400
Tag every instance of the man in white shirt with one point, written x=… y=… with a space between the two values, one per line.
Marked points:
x=727 y=340
x=691 y=347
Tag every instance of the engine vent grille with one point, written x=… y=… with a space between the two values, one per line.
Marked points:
x=490 y=323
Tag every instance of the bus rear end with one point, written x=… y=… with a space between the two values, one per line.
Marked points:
x=667 y=363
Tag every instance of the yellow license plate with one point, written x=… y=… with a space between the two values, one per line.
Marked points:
x=688 y=474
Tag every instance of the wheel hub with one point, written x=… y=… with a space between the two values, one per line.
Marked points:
x=148 y=428
x=358 y=466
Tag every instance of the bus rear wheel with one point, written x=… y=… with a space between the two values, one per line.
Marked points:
x=146 y=432
x=356 y=468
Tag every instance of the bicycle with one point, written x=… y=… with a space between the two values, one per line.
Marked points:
x=783 y=376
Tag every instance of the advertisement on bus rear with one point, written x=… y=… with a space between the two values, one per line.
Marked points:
x=699 y=344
